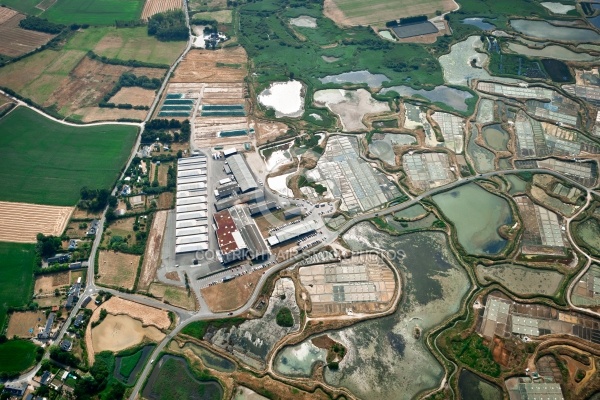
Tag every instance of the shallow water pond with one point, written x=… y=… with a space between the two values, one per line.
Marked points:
x=372 y=80
x=454 y=98
x=517 y=185
x=299 y=359
x=483 y=159
x=472 y=387
x=496 y=137
x=521 y=280
x=554 y=51
x=478 y=22
x=477 y=214
x=545 y=30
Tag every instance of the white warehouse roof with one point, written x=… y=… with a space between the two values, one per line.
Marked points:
x=187 y=248
x=242 y=173
x=188 y=223
x=190 y=160
x=191 y=193
x=192 y=239
x=192 y=207
x=191 y=200
x=191 y=215
x=191 y=186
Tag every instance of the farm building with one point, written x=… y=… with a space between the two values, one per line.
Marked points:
x=86 y=301
x=415 y=29
x=59 y=259
x=93 y=228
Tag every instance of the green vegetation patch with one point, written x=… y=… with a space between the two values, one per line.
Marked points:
x=16 y=356
x=94 y=12
x=175 y=380
x=284 y=318
x=46 y=162
x=198 y=329
x=24 y=6
x=472 y=352
x=588 y=232
x=16 y=270
x=128 y=363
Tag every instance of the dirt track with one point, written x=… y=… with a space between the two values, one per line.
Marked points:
x=21 y=222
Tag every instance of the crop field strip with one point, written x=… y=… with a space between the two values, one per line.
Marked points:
x=358 y=12
x=16 y=269
x=158 y=6
x=15 y=41
x=21 y=222
x=45 y=162
x=94 y=12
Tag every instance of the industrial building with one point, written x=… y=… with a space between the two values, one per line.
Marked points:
x=255 y=195
x=191 y=210
x=292 y=231
x=242 y=172
x=232 y=246
x=262 y=208
x=257 y=248
x=226 y=190
x=292 y=212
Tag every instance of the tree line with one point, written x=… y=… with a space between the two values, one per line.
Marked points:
x=168 y=26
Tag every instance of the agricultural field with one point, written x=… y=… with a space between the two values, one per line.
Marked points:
x=69 y=82
x=21 y=222
x=158 y=6
x=14 y=40
x=48 y=163
x=221 y=16
x=24 y=6
x=231 y=295
x=16 y=269
x=135 y=96
x=135 y=44
x=357 y=12
x=94 y=12
x=16 y=355
x=117 y=269
x=176 y=295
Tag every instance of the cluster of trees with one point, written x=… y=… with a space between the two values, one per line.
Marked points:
x=47 y=246
x=120 y=243
x=41 y=25
x=284 y=318
x=88 y=387
x=63 y=357
x=159 y=129
x=96 y=199
x=129 y=80
x=168 y=26
x=127 y=63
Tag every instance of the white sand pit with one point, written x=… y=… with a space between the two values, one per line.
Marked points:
x=285 y=98
x=118 y=332
x=304 y=21
x=350 y=105
x=557 y=8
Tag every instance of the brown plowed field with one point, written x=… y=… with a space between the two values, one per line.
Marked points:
x=21 y=222
x=201 y=66
x=15 y=41
x=135 y=96
x=88 y=84
x=21 y=322
x=157 y=6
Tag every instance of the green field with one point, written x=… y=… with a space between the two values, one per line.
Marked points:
x=135 y=44
x=16 y=355
x=16 y=270
x=377 y=12
x=45 y=162
x=128 y=363
x=94 y=12
x=24 y=6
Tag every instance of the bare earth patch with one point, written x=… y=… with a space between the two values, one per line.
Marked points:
x=231 y=295
x=153 y=246
x=117 y=269
x=269 y=131
x=119 y=332
x=14 y=40
x=178 y=296
x=21 y=323
x=21 y=222
x=136 y=96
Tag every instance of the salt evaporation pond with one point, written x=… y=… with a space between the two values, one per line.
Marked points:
x=298 y=360
x=545 y=30
x=384 y=359
x=482 y=158
x=284 y=97
x=517 y=185
x=557 y=8
x=372 y=80
x=478 y=22
x=477 y=215
x=455 y=98
x=553 y=51
x=457 y=67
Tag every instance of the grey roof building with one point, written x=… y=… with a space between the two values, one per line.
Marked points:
x=242 y=173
